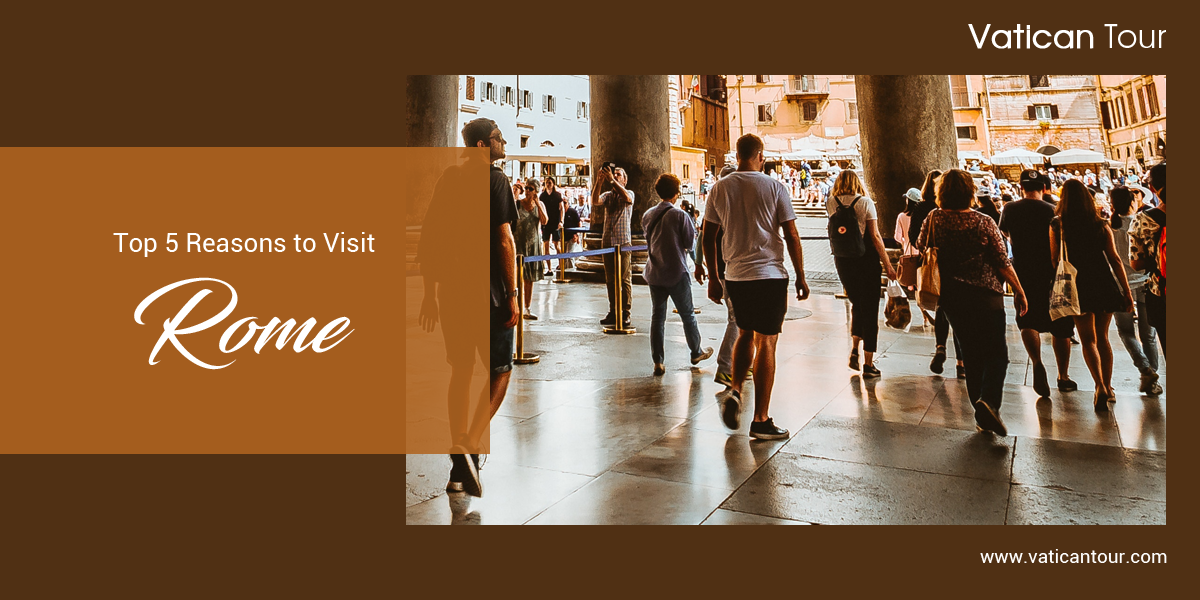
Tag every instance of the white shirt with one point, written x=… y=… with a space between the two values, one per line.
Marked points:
x=751 y=207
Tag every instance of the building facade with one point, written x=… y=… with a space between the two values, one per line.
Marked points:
x=1043 y=113
x=1133 y=109
x=543 y=117
x=780 y=108
x=970 y=116
x=704 y=117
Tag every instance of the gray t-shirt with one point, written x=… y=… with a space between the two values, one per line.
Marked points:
x=750 y=207
x=864 y=210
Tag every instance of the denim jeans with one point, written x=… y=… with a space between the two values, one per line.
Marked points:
x=681 y=295
x=1145 y=353
x=725 y=356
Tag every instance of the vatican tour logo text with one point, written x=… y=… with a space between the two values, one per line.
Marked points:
x=173 y=327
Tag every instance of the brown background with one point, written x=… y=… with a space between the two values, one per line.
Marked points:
x=297 y=76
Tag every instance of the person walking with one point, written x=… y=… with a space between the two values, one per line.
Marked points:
x=554 y=207
x=670 y=233
x=1140 y=345
x=1148 y=242
x=463 y=344
x=617 y=201
x=1088 y=241
x=941 y=324
x=751 y=209
x=724 y=374
x=859 y=272
x=1025 y=222
x=531 y=218
x=973 y=263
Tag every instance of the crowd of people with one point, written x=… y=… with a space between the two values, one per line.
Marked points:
x=1114 y=241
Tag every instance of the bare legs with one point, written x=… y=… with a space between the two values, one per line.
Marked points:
x=1097 y=352
x=759 y=349
x=1062 y=350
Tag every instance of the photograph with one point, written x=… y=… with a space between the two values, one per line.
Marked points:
x=798 y=299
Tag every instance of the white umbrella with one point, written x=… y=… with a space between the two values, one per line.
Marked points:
x=1077 y=157
x=972 y=155
x=804 y=155
x=1017 y=156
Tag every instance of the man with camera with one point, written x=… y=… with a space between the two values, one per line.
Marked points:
x=610 y=193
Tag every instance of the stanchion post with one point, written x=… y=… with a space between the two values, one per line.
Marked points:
x=562 y=262
x=618 y=301
x=520 y=357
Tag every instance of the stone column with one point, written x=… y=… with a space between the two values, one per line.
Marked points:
x=907 y=127
x=631 y=126
x=432 y=111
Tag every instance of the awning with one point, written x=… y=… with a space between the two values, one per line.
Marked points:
x=550 y=155
x=1078 y=157
x=1018 y=156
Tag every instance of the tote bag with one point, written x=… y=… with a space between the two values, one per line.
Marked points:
x=929 y=279
x=1064 y=297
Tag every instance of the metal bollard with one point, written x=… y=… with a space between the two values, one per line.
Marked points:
x=520 y=357
x=618 y=327
x=561 y=277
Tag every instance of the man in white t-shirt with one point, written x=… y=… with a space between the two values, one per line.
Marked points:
x=749 y=209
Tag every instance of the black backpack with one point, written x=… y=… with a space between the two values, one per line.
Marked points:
x=845 y=239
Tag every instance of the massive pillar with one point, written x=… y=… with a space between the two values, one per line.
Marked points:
x=432 y=111
x=631 y=126
x=907 y=127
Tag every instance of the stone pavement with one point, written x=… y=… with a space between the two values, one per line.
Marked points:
x=589 y=435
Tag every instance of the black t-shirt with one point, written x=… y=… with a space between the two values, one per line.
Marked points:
x=1027 y=224
x=553 y=203
x=917 y=218
x=504 y=210
x=571 y=220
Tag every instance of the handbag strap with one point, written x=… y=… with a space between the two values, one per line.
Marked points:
x=1062 y=243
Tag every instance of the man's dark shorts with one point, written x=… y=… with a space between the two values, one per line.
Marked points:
x=761 y=304
x=502 y=341
x=551 y=232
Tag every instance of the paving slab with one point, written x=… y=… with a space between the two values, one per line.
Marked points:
x=729 y=517
x=581 y=440
x=905 y=446
x=512 y=495
x=620 y=499
x=1091 y=469
x=1030 y=505
x=709 y=458
x=818 y=490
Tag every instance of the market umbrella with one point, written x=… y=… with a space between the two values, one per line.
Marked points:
x=1078 y=157
x=1017 y=156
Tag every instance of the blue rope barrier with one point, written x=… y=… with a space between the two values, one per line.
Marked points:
x=542 y=257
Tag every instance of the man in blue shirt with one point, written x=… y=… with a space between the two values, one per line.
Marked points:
x=670 y=233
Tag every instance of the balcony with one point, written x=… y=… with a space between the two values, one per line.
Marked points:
x=806 y=87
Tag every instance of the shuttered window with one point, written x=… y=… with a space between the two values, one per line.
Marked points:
x=1152 y=94
x=958 y=91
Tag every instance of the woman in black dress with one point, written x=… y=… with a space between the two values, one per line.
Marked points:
x=1101 y=283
